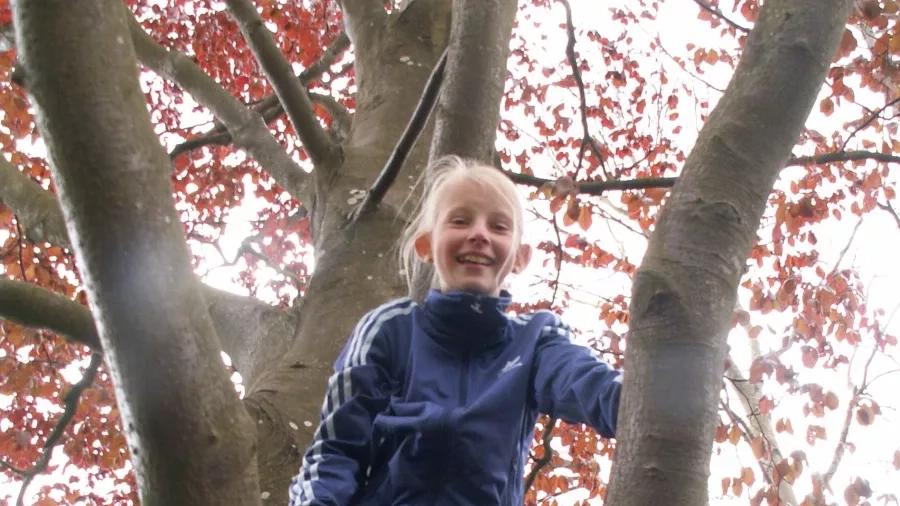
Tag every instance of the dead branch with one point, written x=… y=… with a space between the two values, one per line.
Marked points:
x=407 y=140
x=290 y=92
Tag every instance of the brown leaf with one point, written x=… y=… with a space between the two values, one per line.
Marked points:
x=584 y=218
x=831 y=401
x=747 y=476
x=810 y=356
x=734 y=435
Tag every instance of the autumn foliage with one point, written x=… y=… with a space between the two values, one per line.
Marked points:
x=591 y=99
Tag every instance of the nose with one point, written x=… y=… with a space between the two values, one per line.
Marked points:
x=478 y=233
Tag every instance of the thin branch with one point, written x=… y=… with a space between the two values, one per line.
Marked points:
x=599 y=187
x=70 y=403
x=269 y=107
x=246 y=126
x=291 y=93
x=576 y=73
x=340 y=116
x=407 y=140
x=716 y=12
x=547 y=438
x=32 y=306
x=842 y=156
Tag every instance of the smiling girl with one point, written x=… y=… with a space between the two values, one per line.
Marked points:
x=436 y=403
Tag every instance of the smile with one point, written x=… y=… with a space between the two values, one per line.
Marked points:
x=474 y=259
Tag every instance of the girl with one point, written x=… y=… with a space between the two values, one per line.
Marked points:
x=436 y=403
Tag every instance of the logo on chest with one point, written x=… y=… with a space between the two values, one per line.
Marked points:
x=512 y=364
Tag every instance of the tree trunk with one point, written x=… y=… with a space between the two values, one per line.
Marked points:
x=676 y=343
x=179 y=409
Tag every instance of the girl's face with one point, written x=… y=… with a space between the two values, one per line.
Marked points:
x=472 y=245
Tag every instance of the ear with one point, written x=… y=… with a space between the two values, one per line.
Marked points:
x=523 y=256
x=422 y=245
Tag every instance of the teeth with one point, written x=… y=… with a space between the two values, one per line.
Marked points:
x=475 y=259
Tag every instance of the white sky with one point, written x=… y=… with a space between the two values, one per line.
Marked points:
x=875 y=444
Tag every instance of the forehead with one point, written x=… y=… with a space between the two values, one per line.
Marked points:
x=466 y=193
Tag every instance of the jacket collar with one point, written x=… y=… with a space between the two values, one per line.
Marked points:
x=467 y=321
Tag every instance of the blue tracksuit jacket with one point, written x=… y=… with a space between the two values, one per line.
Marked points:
x=436 y=404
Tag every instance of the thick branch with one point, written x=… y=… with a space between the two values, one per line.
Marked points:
x=37 y=209
x=468 y=108
x=290 y=92
x=246 y=327
x=246 y=127
x=410 y=135
x=360 y=16
x=702 y=238
x=189 y=434
x=33 y=306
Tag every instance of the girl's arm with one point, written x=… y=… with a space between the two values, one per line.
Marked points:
x=337 y=459
x=573 y=384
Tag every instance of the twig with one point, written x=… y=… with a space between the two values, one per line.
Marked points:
x=290 y=93
x=872 y=117
x=547 y=438
x=407 y=140
x=559 y=260
x=573 y=61
x=712 y=10
x=890 y=210
x=848 y=418
x=71 y=406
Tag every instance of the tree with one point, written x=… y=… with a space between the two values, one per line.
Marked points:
x=321 y=152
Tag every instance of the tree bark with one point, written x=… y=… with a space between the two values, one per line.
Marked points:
x=190 y=440
x=684 y=292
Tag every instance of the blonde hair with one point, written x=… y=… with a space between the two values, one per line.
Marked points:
x=440 y=173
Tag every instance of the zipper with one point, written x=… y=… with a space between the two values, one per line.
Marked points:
x=464 y=379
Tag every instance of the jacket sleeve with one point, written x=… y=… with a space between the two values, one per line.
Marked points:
x=336 y=462
x=572 y=383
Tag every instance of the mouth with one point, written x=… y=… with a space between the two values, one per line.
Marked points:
x=472 y=258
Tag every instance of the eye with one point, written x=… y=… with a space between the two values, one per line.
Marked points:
x=458 y=220
x=502 y=226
